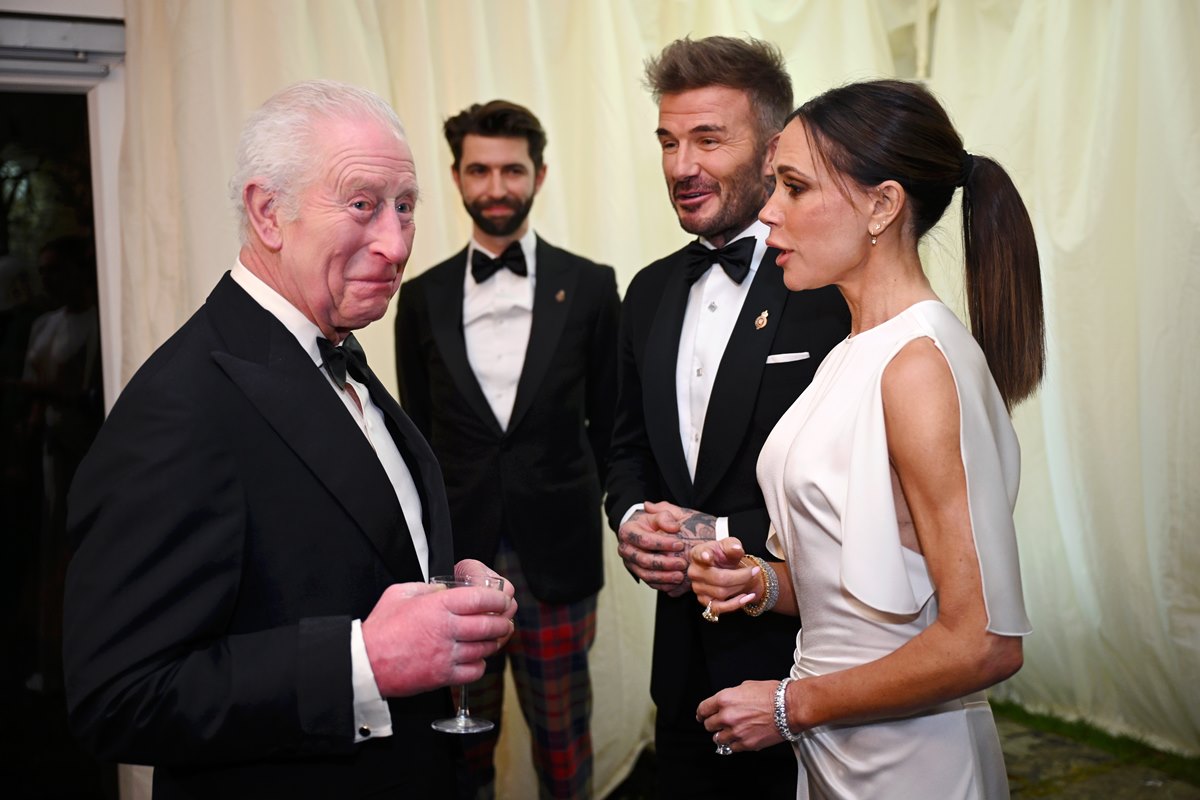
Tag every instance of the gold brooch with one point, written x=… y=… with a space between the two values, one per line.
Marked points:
x=760 y=321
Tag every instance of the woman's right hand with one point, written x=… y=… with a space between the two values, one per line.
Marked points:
x=721 y=573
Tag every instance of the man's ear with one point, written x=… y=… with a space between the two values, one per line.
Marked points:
x=263 y=213
x=454 y=176
x=769 y=157
x=539 y=177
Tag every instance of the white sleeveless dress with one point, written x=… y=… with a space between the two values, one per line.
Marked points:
x=829 y=487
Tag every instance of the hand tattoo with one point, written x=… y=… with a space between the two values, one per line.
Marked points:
x=698 y=525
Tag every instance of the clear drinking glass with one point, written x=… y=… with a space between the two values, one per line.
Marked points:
x=463 y=722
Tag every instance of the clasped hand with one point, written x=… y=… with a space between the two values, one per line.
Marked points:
x=721 y=573
x=654 y=544
x=421 y=637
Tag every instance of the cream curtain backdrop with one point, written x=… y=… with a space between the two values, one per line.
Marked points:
x=1095 y=107
x=1092 y=106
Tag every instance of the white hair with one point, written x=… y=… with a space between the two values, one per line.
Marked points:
x=278 y=144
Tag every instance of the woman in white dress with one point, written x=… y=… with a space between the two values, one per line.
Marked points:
x=891 y=480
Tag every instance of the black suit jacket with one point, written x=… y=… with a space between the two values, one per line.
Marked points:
x=234 y=520
x=538 y=482
x=648 y=463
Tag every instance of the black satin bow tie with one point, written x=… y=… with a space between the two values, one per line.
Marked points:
x=734 y=258
x=343 y=358
x=483 y=267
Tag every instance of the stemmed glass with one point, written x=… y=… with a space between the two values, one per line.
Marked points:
x=463 y=722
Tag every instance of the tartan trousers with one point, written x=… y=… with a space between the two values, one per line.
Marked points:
x=549 y=657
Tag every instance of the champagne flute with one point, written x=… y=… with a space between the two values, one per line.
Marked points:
x=463 y=722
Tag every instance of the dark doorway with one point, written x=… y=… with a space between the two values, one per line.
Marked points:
x=51 y=406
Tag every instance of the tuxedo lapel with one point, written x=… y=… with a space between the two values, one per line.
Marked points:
x=660 y=402
x=294 y=397
x=444 y=302
x=735 y=389
x=552 y=299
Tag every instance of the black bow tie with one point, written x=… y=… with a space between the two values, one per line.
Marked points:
x=483 y=267
x=343 y=358
x=734 y=258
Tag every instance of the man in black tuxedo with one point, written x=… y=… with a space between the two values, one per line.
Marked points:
x=506 y=354
x=247 y=611
x=713 y=350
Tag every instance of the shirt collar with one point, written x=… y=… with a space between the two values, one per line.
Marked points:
x=300 y=326
x=758 y=229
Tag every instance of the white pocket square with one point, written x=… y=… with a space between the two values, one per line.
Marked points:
x=783 y=358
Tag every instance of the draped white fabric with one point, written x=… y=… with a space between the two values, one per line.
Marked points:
x=1093 y=106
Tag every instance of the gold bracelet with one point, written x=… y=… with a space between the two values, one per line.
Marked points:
x=770 y=590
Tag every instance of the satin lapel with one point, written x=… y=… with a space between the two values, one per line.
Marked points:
x=735 y=389
x=298 y=403
x=444 y=297
x=552 y=299
x=659 y=400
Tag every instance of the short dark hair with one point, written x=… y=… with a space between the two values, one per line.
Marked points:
x=496 y=118
x=876 y=131
x=751 y=65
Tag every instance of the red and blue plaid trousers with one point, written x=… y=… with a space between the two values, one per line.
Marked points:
x=549 y=657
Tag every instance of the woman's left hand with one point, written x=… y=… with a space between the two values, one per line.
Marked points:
x=742 y=717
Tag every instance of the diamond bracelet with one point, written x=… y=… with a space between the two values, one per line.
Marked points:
x=781 y=721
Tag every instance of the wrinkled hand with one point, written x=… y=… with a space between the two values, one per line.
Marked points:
x=470 y=566
x=742 y=717
x=421 y=637
x=719 y=573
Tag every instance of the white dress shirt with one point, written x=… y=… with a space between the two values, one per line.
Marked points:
x=371 y=715
x=713 y=305
x=497 y=317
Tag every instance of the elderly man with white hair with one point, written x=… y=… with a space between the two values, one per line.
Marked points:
x=248 y=609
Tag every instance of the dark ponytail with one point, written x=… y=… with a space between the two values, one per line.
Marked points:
x=1003 y=280
x=878 y=131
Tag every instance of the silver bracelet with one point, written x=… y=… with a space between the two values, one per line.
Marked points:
x=770 y=596
x=781 y=721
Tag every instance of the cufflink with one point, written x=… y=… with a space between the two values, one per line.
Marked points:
x=364 y=731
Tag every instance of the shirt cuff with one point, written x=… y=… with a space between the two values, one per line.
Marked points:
x=372 y=718
x=629 y=513
x=722 y=528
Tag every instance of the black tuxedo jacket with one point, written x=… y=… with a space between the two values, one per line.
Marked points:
x=538 y=482
x=234 y=520
x=647 y=461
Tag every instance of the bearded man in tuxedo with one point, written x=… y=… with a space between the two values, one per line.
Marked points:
x=506 y=354
x=713 y=349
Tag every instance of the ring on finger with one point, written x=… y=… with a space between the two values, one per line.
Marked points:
x=708 y=613
x=724 y=750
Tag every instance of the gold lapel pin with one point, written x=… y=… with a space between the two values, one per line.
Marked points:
x=560 y=295
x=760 y=321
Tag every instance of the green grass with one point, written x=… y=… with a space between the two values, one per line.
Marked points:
x=1126 y=749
